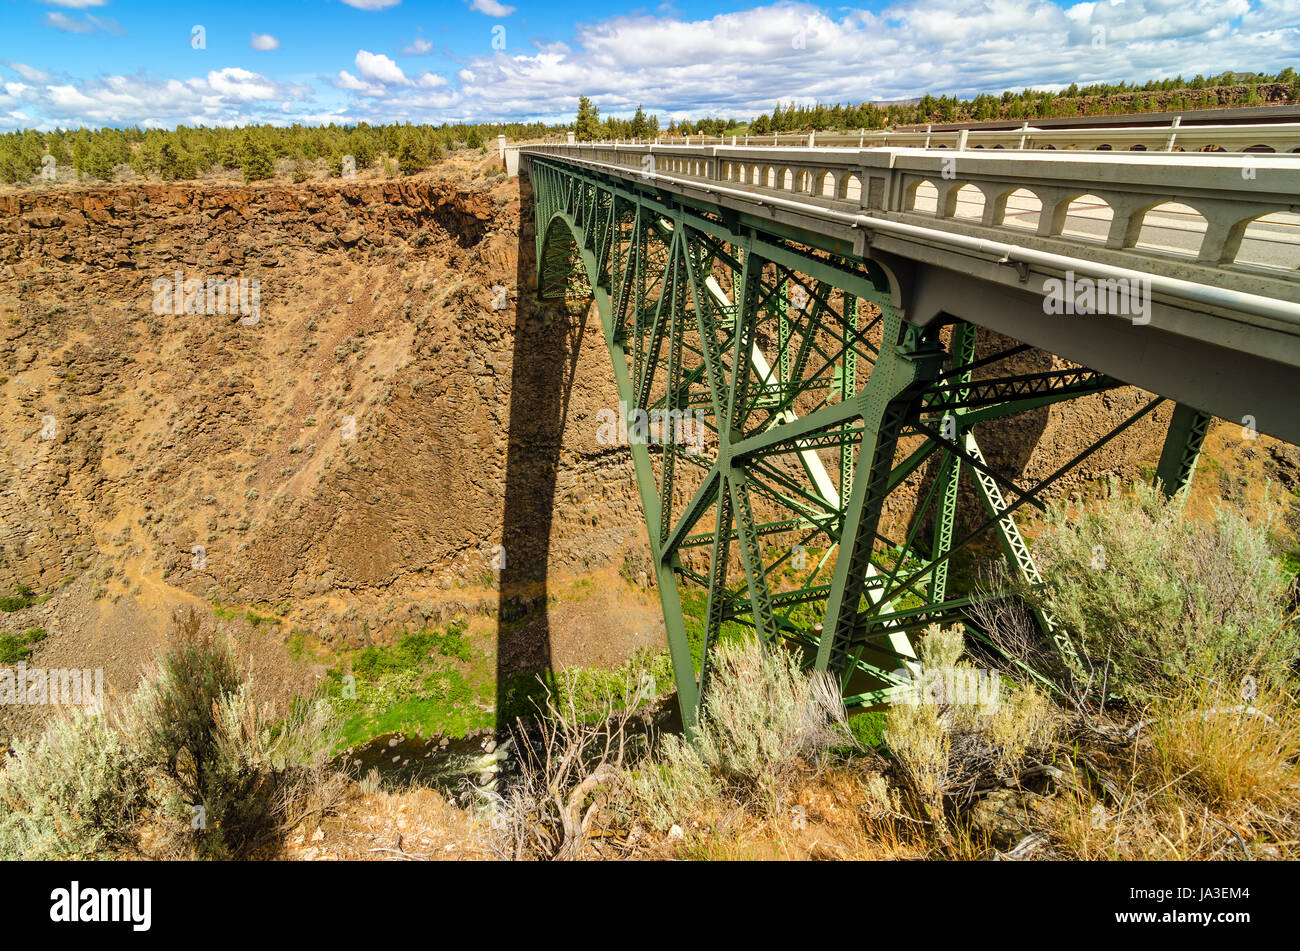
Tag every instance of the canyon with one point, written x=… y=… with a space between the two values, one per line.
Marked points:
x=401 y=435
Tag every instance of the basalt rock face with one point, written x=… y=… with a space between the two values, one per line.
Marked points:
x=397 y=420
x=147 y=226
x=346 y=446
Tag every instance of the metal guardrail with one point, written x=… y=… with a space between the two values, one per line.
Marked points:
x=1278 y=137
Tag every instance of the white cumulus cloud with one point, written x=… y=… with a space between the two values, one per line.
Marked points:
x=89 y=24
x=28 y=72
x=378 y=67
x=493 y=8
x=737 y=63
x=236 y=83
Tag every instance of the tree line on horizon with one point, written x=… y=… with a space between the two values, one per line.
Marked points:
x=187 y=152
x=1157 y=95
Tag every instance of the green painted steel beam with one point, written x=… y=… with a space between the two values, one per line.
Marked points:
x=802 y=405
x=1182 y=448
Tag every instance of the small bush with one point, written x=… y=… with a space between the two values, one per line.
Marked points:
x=1166 y=596
x=15 y=647
x=75 y=793
x=942 y=747
x=20 y=598
x=763 y=721
x=232 y=778
x=764 y=715
x=672 y=785
x=191 y=759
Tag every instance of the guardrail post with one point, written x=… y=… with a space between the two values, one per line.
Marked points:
x=1173 y=133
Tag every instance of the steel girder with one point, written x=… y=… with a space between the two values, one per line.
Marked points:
x=808 y=387
x=1187 y=431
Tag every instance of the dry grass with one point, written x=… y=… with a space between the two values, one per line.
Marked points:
x=1228 y=751
x=1188 y=783
x=1205 y=776
x=831 y=815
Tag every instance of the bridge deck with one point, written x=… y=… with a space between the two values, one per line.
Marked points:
x=988 y=235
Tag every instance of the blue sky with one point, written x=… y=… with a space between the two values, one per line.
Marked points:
x=122 y=62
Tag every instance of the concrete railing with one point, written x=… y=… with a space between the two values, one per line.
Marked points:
x=1217 y=196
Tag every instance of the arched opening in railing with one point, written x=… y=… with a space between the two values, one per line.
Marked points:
x=1260 y=148
x=850 y=187
x=1172 y=228
x=968 y=202
x=1021 y=208
x=786 y=181
x=1271 y=241
x=825 y=185
x=1087 y=217
x=1104 y=147
x=923 y=198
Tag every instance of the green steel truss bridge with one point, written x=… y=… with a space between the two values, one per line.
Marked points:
x=825 y=314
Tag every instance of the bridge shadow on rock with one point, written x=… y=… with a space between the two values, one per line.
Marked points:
x=547 y=340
